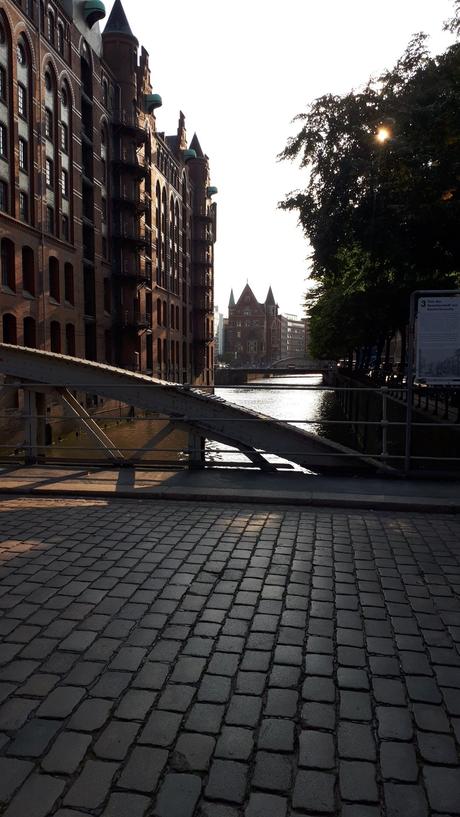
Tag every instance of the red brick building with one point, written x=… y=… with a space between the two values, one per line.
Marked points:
x=107 y=225
x=252 y=331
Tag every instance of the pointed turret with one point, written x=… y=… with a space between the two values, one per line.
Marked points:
x=195 y=145
x=270 y=300
x=118 y=21
x=232 y=299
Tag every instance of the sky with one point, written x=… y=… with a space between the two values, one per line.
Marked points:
x=241 y=71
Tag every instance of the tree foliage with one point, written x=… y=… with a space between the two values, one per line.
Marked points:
x=382 y=219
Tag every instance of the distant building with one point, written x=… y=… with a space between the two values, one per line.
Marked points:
x=218 y=333
x=293 y=336
x=252 y=331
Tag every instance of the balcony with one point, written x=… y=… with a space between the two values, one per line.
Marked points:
x=203 y=239
x=202 y=262
x=134 y=238
x=129 y=162
x=132 y=203
x=132 y=319
x=132 y=274
x=128 y=123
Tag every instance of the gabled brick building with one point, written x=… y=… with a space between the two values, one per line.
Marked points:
x=252 y=329
x=107 y=225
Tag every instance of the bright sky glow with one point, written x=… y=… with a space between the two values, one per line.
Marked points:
x=241 y=71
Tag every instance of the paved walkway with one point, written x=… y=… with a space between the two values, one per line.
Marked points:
x=179 y=659
x=237 y=485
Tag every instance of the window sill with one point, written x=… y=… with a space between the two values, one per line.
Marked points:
x=29 y=295
x=7 y=290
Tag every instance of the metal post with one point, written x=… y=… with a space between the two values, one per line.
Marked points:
x=409 y=382
x=196 y=445
x=35 y=408
x=384 y=423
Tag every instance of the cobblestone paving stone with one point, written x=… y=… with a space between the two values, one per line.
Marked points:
x=196 y=660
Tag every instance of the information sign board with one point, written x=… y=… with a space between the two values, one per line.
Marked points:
x=438 y=340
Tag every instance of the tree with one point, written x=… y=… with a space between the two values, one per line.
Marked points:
x=382 y=219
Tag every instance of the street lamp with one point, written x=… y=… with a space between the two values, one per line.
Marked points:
x=383 y=135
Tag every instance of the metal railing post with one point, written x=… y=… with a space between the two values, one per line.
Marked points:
x=384 y=423
x=35 y=408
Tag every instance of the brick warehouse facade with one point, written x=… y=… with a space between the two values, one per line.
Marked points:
x=107 y=225
x=252 y=331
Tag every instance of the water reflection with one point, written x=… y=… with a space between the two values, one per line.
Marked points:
x=294 y=405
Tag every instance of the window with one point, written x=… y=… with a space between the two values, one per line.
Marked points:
x=64 y=184
x=70 y=339
x=8 y=270
x=3 y=197
x=2 y=83
x=69 y=295
x=65 y=228
x=104 y=208
x=21 y=54
x=3 y=141
x=48 y=81
x=49 y=174
x=55 y=336
x=2 y=34
x=64 y=138
x=49 y=124
x=105 y=93
x=53 y=269
x=23 y=206
x=51 y=27
x=29 y=333
x=104 y=171
x=60 y=39
x=104 y=247
x=22 y=101
x=64 y=97
x=23 y=155
x=9 y=329
x=50 y=220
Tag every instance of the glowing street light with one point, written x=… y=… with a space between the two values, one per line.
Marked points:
x=383 y=135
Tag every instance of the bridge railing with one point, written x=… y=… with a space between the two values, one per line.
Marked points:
x=368 y=419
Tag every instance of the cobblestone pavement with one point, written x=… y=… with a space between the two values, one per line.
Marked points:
x=178 y=659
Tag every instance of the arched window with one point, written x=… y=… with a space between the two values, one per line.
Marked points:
x=163 y=211
x=53 y=269
x=70 y=339
x=158 y=312
x=173 y=315
x=30 y=333
x=165 y=313
x=28 y=270
x=51 y=26
x=105 y=93
x=184 y=188
x=69 y=294
x=7 y=261
x=10 y=334
x=60 y=39
x=42 y=16
x=165 y=355
x=86 y=71
x=55 y=336
x=177 y=318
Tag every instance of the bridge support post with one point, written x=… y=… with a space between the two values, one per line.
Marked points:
x=196 y=450
x=35 y=413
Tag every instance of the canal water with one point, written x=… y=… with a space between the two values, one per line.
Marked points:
x=311 y=409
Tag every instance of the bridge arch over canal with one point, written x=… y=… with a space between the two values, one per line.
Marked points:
x=202 y=414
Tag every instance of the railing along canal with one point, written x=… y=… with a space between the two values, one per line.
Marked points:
x=373 y=415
